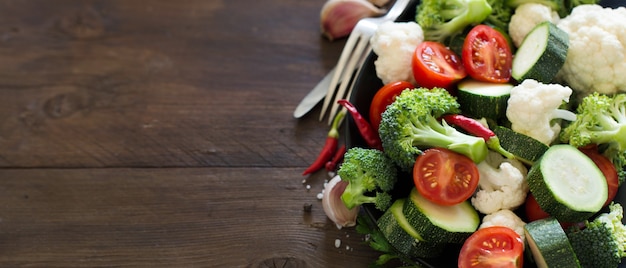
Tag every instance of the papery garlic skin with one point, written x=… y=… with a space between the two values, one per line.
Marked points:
x=334 y=207
x=338 y=17
x=379 y=3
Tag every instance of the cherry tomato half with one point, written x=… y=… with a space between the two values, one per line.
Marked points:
x=385 y=96
x=487 y=55
x=608 y=169
x=445 y=177
x=495 y=246
x=435 y=65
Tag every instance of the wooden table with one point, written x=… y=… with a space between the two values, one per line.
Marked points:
x=160 y=134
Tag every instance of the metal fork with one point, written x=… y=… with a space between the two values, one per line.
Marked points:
x=355 y=51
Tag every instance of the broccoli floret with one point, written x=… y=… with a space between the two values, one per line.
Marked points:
x=411 y=124
x=562 y=7
x=602 y=242
x=370 y=175
x=500 y=15
x=601 y=120
x=441 y=19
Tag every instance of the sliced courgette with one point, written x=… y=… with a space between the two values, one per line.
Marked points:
x=567 y=184
x=440 y=224
x=541 y=54
x=525 y=148
x=483 y=99
x=549 y=244
x=403 y=236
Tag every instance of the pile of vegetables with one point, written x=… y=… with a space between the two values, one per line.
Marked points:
x=508 y=142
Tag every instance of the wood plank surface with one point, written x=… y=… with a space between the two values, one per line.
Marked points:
x=160 y=134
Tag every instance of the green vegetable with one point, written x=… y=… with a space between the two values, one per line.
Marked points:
x=549 y=244
x=376 y=240
x=439 y=223
x=394 y=225
x=602 y=243
x=441 y=19
x=480 y=99
x=562 y=7
x=567 y=184
x=542 y=53
x=525 y=148
x=411 y=124
x=500 y=15
x=370 y=175
x=601 y=119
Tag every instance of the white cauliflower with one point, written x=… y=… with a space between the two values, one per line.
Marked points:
x=504 y=218
x=394 y=43
x=502 y=184
x=596 y=59
x=533 y=106
x=526 y=17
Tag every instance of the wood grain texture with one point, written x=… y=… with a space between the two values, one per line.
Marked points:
x=192 y=217
x=158 y=83
x=160 y=134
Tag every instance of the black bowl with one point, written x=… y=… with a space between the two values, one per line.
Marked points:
x=365 y=87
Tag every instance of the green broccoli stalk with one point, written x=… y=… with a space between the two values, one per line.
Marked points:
x=601 y=120
x=370 y=175
x=602 y=242
x=562 y=7
x=441 y=19
x=411 y=124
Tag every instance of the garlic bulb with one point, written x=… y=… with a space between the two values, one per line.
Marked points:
x=334 y=208
x=338 y=17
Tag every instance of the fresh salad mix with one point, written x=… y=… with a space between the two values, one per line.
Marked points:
x=500 y=132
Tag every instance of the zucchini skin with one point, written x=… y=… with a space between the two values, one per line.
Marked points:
x=545 y=197
x=401 y=239
x=527 y=149
x=553 y=58
x=550 y=239
x=431 y=232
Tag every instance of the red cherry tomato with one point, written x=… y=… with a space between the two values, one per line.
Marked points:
x=487 y=55
x=608 y=169
x=533 y=210
x=435 y=65
x=385 y=96
x=445 y=177
x=495 y=246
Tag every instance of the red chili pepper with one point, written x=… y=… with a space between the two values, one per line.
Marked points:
x=369 y=134
x=332 y=164
x=330 y=147
x=474 y=127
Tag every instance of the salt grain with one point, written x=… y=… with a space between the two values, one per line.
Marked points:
x=337 y=243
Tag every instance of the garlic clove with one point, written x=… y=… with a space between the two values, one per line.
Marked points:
x=338 y=17
x=334 y=207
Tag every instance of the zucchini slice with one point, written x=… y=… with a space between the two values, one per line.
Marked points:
x=403 y=236
x=525 y=148
x=567 y=184
x=483 y=99
x=549 y=244
x=440 y=224
x=542 y=53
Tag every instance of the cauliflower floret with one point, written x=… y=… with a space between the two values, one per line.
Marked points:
x=526 y=17
x=502 y=184
x=394 y=43
x=504 y=218
x=533 y=105
x=596 y=59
